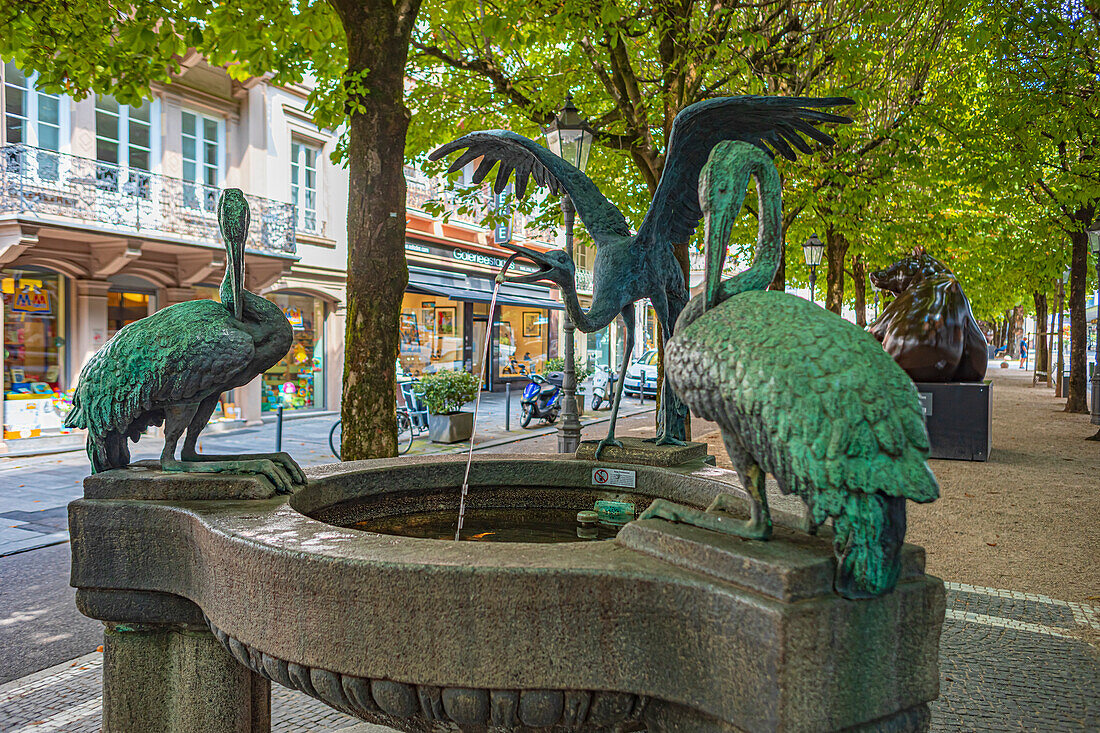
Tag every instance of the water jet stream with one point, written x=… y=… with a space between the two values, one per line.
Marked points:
x=477 y=401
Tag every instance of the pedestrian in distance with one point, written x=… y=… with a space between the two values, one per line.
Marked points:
x=1023 y=353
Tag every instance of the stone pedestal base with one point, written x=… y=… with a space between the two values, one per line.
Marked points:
x=642 y=453
x=175 y=680
x=959 y=418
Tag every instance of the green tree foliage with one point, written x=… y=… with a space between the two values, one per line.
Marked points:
x=353 y=52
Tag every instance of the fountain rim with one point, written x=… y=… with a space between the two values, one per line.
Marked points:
x=695 y=483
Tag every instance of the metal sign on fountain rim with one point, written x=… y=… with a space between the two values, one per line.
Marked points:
x=613 y=477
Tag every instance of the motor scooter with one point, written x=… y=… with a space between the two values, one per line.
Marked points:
x=541 y=398
x=603 y=385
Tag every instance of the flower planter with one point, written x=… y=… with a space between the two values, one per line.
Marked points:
x=451 y=428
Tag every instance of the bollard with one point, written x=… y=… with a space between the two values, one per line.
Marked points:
x=641 y=390
x=279 y=429
x=507 y=406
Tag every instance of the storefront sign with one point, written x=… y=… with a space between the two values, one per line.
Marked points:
x=503 y=204
x=478 y=258
x=32 y=300
x=294 y=315
x=465 y=255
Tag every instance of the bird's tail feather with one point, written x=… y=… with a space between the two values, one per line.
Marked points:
x=869 y=534
x=107 y=451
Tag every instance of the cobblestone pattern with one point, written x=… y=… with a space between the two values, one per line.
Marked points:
x=1013 y=608
x=1008 y=661
x=995 y=678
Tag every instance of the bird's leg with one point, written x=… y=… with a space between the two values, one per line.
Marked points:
x=176 y=419
x=628 y=319
x=759 y=526
x=673 y=412
x=279 y=468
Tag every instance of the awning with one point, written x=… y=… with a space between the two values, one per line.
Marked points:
x=478 y=290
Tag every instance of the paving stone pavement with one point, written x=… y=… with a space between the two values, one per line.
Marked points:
x=1008 y=661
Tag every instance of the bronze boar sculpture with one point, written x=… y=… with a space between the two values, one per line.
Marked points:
x=929 y=328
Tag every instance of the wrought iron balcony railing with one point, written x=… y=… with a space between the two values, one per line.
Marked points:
x=48 y=183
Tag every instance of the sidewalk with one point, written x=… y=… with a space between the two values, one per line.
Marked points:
x=35 y=490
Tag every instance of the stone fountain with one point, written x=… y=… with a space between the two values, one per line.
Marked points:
x=212 y=587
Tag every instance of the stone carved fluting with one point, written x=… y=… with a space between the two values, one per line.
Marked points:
x=417 y=707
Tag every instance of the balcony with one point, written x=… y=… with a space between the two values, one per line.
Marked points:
x=420 y=189
x=45 y=183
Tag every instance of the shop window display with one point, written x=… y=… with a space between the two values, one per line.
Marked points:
x=431 y=334
x=524 y=339
x=297 y=381
x=125 y=308
x=34 y=352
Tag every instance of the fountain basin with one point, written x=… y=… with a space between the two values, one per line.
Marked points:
x=664 y=626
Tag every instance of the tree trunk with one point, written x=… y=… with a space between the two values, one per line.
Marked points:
x=1075 y=392
x=1039 y=343
x=859 y=284
x=779 y=282
x=836 y=252
x=377 y=37
x=1010 y=333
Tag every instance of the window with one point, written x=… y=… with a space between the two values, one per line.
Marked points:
x=202 y=146
x=123 y=139
x=34 y=118
x=303 y=184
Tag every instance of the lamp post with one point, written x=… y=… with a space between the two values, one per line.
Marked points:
x=569 y=136
x=1094 y=245
x=813 y=250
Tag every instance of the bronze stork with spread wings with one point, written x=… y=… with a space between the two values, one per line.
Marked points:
x=629 y=267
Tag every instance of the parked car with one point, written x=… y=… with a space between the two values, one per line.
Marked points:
x=645 y=365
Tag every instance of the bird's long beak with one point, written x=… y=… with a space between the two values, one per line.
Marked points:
x=536 y=258
x=717 y=227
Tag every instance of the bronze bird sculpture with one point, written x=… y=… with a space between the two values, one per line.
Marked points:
x=629 y=267
x=798 y=392
x=171 y=367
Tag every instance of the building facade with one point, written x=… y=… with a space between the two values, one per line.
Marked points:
x=108 y=214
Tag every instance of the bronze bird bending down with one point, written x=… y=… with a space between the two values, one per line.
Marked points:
x=798 y=392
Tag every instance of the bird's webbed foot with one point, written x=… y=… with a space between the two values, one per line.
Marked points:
x=608 y=441
x=274 y=470
x=667 y=439
x=752 y=529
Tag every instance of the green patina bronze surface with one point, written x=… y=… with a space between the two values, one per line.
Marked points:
x=171 y=367
x=631 y=267
x=798 y=392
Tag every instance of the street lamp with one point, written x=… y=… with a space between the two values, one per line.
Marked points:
x=570 y=137
x=1094 y=245
x=813 y=250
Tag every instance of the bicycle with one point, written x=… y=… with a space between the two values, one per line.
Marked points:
x=405 y=434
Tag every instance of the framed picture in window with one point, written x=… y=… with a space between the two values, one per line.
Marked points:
x=445 y=321
x=410 y=336
x=532 y=324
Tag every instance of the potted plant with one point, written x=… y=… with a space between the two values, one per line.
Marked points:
x=444 y=393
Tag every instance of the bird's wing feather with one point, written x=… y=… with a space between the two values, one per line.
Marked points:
x=178 y=355
x=529 y=159
x=768 y=122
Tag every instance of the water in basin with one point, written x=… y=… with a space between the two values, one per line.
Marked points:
x=491 y=525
